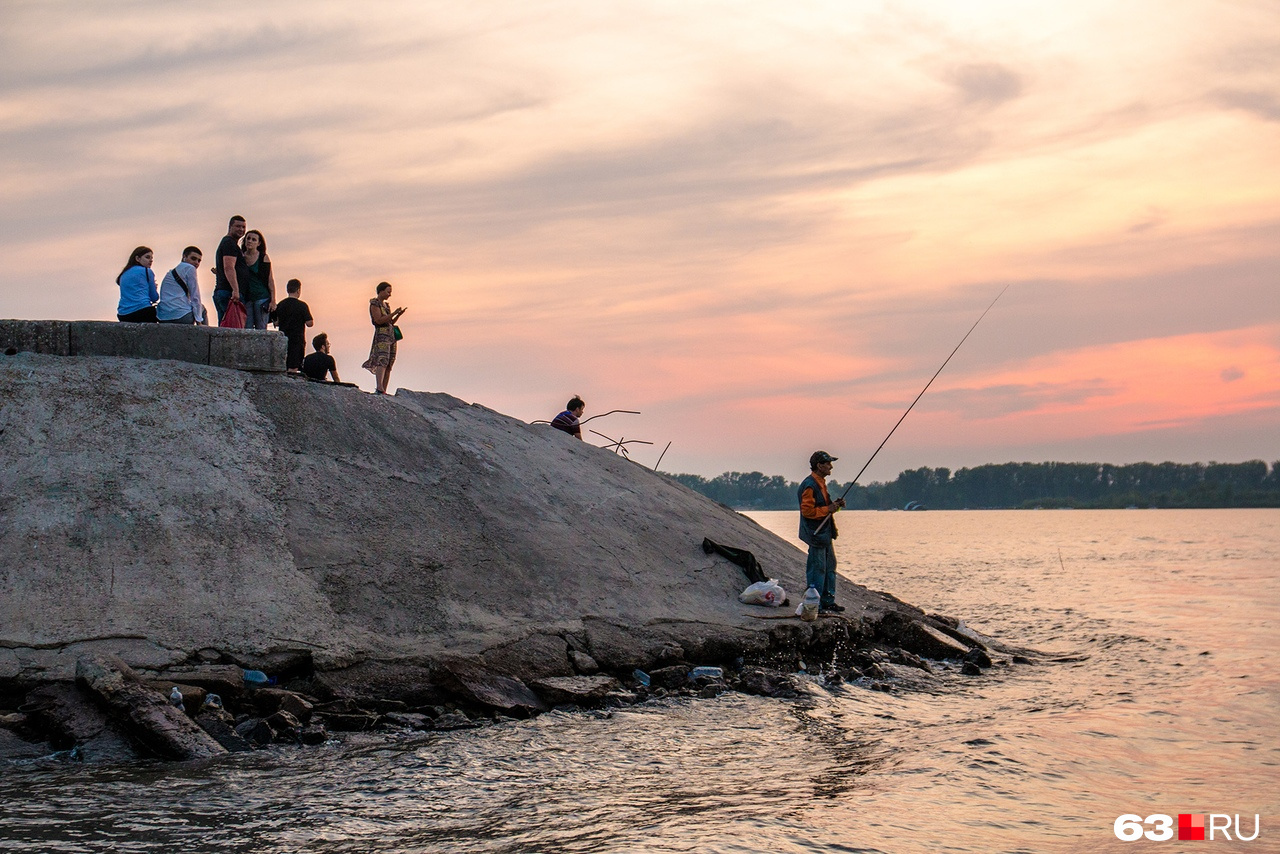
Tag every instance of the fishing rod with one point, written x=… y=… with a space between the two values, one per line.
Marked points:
x=601 y=415
x=913 y=404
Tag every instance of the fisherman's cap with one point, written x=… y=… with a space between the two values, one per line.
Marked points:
x=820 y=457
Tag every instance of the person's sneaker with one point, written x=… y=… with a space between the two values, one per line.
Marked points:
x=833 y=608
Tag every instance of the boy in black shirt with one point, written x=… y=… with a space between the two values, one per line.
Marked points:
x=292 y=318
x=320 y=362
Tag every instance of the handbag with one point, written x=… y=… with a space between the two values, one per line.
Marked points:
x=235 y=316
x=395 y=331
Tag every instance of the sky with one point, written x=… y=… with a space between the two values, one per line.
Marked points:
x=763 y=225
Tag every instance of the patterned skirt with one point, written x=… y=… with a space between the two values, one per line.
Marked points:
x=383 y=352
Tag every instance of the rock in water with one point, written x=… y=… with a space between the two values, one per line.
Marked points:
x=76 y=721
x=142 y=711
x=219 y=725
x=578 y=690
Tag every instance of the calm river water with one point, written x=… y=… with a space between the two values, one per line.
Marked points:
x=1174 y=709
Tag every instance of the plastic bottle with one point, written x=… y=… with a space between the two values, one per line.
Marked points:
x=809 y=607
x=175 y=698
x=708 y=672
x=641 y=677
x=255 y=679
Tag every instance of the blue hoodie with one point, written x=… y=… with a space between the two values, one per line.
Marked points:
x=137 y=290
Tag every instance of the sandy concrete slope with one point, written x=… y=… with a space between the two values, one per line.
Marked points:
x=154 y=508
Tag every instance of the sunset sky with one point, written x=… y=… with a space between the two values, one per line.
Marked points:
x=762 y=224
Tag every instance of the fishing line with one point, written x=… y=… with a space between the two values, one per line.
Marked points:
x=914 y=402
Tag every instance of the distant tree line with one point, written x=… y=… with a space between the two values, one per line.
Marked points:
x=1022 y=485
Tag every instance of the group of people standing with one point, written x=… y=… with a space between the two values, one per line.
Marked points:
x=245 y=289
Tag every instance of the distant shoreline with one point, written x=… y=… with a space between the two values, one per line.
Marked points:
x=1023 y=486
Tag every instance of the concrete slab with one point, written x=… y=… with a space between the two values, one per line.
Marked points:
x=247 y=349
x=140 y=341
x=47 y=337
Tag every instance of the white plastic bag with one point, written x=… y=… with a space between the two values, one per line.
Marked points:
x=764 y=593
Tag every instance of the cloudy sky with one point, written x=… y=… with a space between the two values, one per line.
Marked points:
x=762 y=224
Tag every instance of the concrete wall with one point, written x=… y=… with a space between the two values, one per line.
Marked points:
x=242 y=349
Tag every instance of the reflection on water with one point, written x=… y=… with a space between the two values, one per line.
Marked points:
x=1171 y=708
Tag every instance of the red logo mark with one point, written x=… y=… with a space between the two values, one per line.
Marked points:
x=1190 y=826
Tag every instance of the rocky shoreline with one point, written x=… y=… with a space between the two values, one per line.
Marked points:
x=112 y=712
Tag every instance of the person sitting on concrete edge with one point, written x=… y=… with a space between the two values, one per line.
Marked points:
x=292 y=317
x=138 y=296
x=568 y=420
x=320 y=362
x=818 y=530
x=180 y=293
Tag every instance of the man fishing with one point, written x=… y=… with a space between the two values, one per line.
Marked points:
x=818 y=529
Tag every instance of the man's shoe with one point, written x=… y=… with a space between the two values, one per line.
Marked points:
x=833 y=608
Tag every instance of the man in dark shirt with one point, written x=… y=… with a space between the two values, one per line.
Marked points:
x=292 y=317
x=229 y=270
x=320 y=362
x=568 y=420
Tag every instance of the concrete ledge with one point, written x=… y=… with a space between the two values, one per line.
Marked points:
x=47 y=337
x=139 y=341
x=247 y=349
x=241 y=349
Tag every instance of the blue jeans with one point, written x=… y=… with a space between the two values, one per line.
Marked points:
x=255 y=314
x=820 y=572
x=221 y=299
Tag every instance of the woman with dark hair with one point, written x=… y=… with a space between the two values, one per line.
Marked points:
x=138 y=294
x=382 y=355
x=259 y=291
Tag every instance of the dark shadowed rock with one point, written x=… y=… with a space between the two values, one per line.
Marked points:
x=454 y=720
x=192 y=695
x=225 y=680
x=313 y=733
x=675 y=676
x=621 y=649
x=14 y=747
x=286 y=726
x=256 y=731
x=753 y=680
x=971 y=669
x=280 y=664
x=412 y=684
x=409 y=720
x=267 y=701
x=578 y=690
x=917 y=637
x=346 y=722
x=534 y=657
x=620 y=698
x=910 y=659
x=143 y=712
x=978 y=656
x=221 y=727
x=491 y=690
x=74 y=720
x=583 y=663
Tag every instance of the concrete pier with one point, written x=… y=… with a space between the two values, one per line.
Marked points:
x=241 y=349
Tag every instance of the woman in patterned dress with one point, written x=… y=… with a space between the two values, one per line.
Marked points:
x=382 y=355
